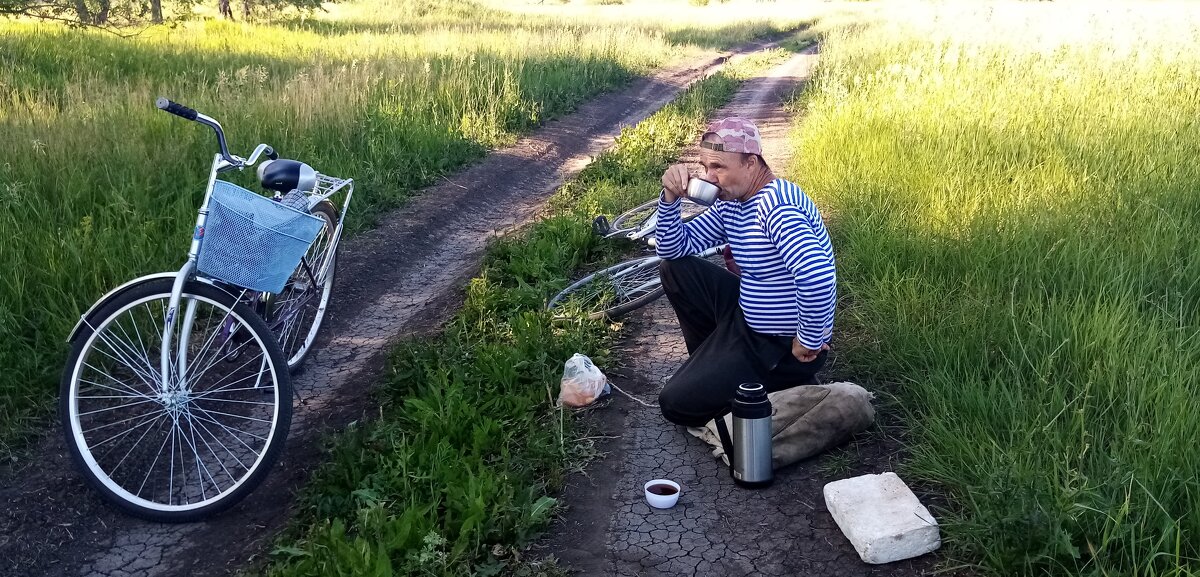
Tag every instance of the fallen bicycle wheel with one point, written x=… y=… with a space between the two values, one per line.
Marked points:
x=643 y=217
x=612 y=292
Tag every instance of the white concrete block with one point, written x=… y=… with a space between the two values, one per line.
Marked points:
x=882 y=518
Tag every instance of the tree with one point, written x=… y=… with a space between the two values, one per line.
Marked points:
x=119 y=15
x=109 y=14
x=268 y=8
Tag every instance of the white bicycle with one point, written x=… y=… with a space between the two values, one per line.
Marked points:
x=176 y=397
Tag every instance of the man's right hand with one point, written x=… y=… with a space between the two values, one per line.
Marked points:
x=804 y=354
x=675 y=181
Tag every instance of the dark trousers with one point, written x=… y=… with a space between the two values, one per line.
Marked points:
x=723 y=351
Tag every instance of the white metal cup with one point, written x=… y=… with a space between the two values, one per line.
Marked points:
x=702 y=191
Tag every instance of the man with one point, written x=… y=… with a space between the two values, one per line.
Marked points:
x=773 y=324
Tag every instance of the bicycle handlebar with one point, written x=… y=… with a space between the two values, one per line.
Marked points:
x=260 y=150
x=176 y=108
x=189 y=114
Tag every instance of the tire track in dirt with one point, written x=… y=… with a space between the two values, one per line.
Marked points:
x=401 y=279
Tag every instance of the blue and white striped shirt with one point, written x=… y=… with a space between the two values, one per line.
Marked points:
x=788 y=283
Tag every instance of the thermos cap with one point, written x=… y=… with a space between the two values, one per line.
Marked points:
x=752 y=389
x=750 y=402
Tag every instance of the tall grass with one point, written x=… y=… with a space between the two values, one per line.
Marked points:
x=1013 y=192
x=98 y=187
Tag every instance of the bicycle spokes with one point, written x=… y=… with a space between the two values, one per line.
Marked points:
x=182 y=442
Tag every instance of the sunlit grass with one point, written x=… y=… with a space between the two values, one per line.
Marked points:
x=98 y=187
x=1012 y=189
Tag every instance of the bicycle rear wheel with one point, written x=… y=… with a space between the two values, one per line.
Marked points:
x=295 y=314
x=612 y=292
x=634 y=219
x=187 y=449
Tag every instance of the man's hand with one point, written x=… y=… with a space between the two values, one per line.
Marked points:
x=675 y=181
x=806 y=355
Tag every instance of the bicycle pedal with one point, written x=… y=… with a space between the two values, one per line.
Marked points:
x=600 y=226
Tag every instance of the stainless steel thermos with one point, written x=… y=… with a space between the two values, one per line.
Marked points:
x=750 y=448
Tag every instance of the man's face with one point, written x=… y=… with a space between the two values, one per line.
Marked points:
x=728 y=171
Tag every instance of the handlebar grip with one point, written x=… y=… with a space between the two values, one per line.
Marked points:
x=175 y=108
x=270 y=153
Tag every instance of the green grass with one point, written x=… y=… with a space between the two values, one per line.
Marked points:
x=458 y=470
x=98 y=187
x=1013 y=194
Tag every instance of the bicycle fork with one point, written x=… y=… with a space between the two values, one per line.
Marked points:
x=168 y=386
x=172 y=386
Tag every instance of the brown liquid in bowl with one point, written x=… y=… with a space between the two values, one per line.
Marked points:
x=661 y=489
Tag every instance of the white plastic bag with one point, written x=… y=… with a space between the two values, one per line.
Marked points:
x=582 y=382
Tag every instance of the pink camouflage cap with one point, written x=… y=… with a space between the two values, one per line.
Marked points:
x=736 y=134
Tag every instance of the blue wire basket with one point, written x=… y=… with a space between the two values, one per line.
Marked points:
x=252 y=241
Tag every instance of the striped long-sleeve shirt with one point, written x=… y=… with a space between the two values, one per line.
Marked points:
x=788 y=282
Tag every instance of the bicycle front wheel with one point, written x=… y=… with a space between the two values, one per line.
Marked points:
x=296 y=313
x=612 y=292
x=191 y=447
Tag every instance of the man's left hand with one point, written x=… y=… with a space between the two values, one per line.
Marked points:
x=804 y=354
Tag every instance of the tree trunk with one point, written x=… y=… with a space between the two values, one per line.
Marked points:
x=156 y=11
x=225 y=9
x=81 y=10
x=245 y=9
x=102 y=16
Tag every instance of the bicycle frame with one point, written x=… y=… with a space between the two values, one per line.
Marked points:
x=647 y=229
